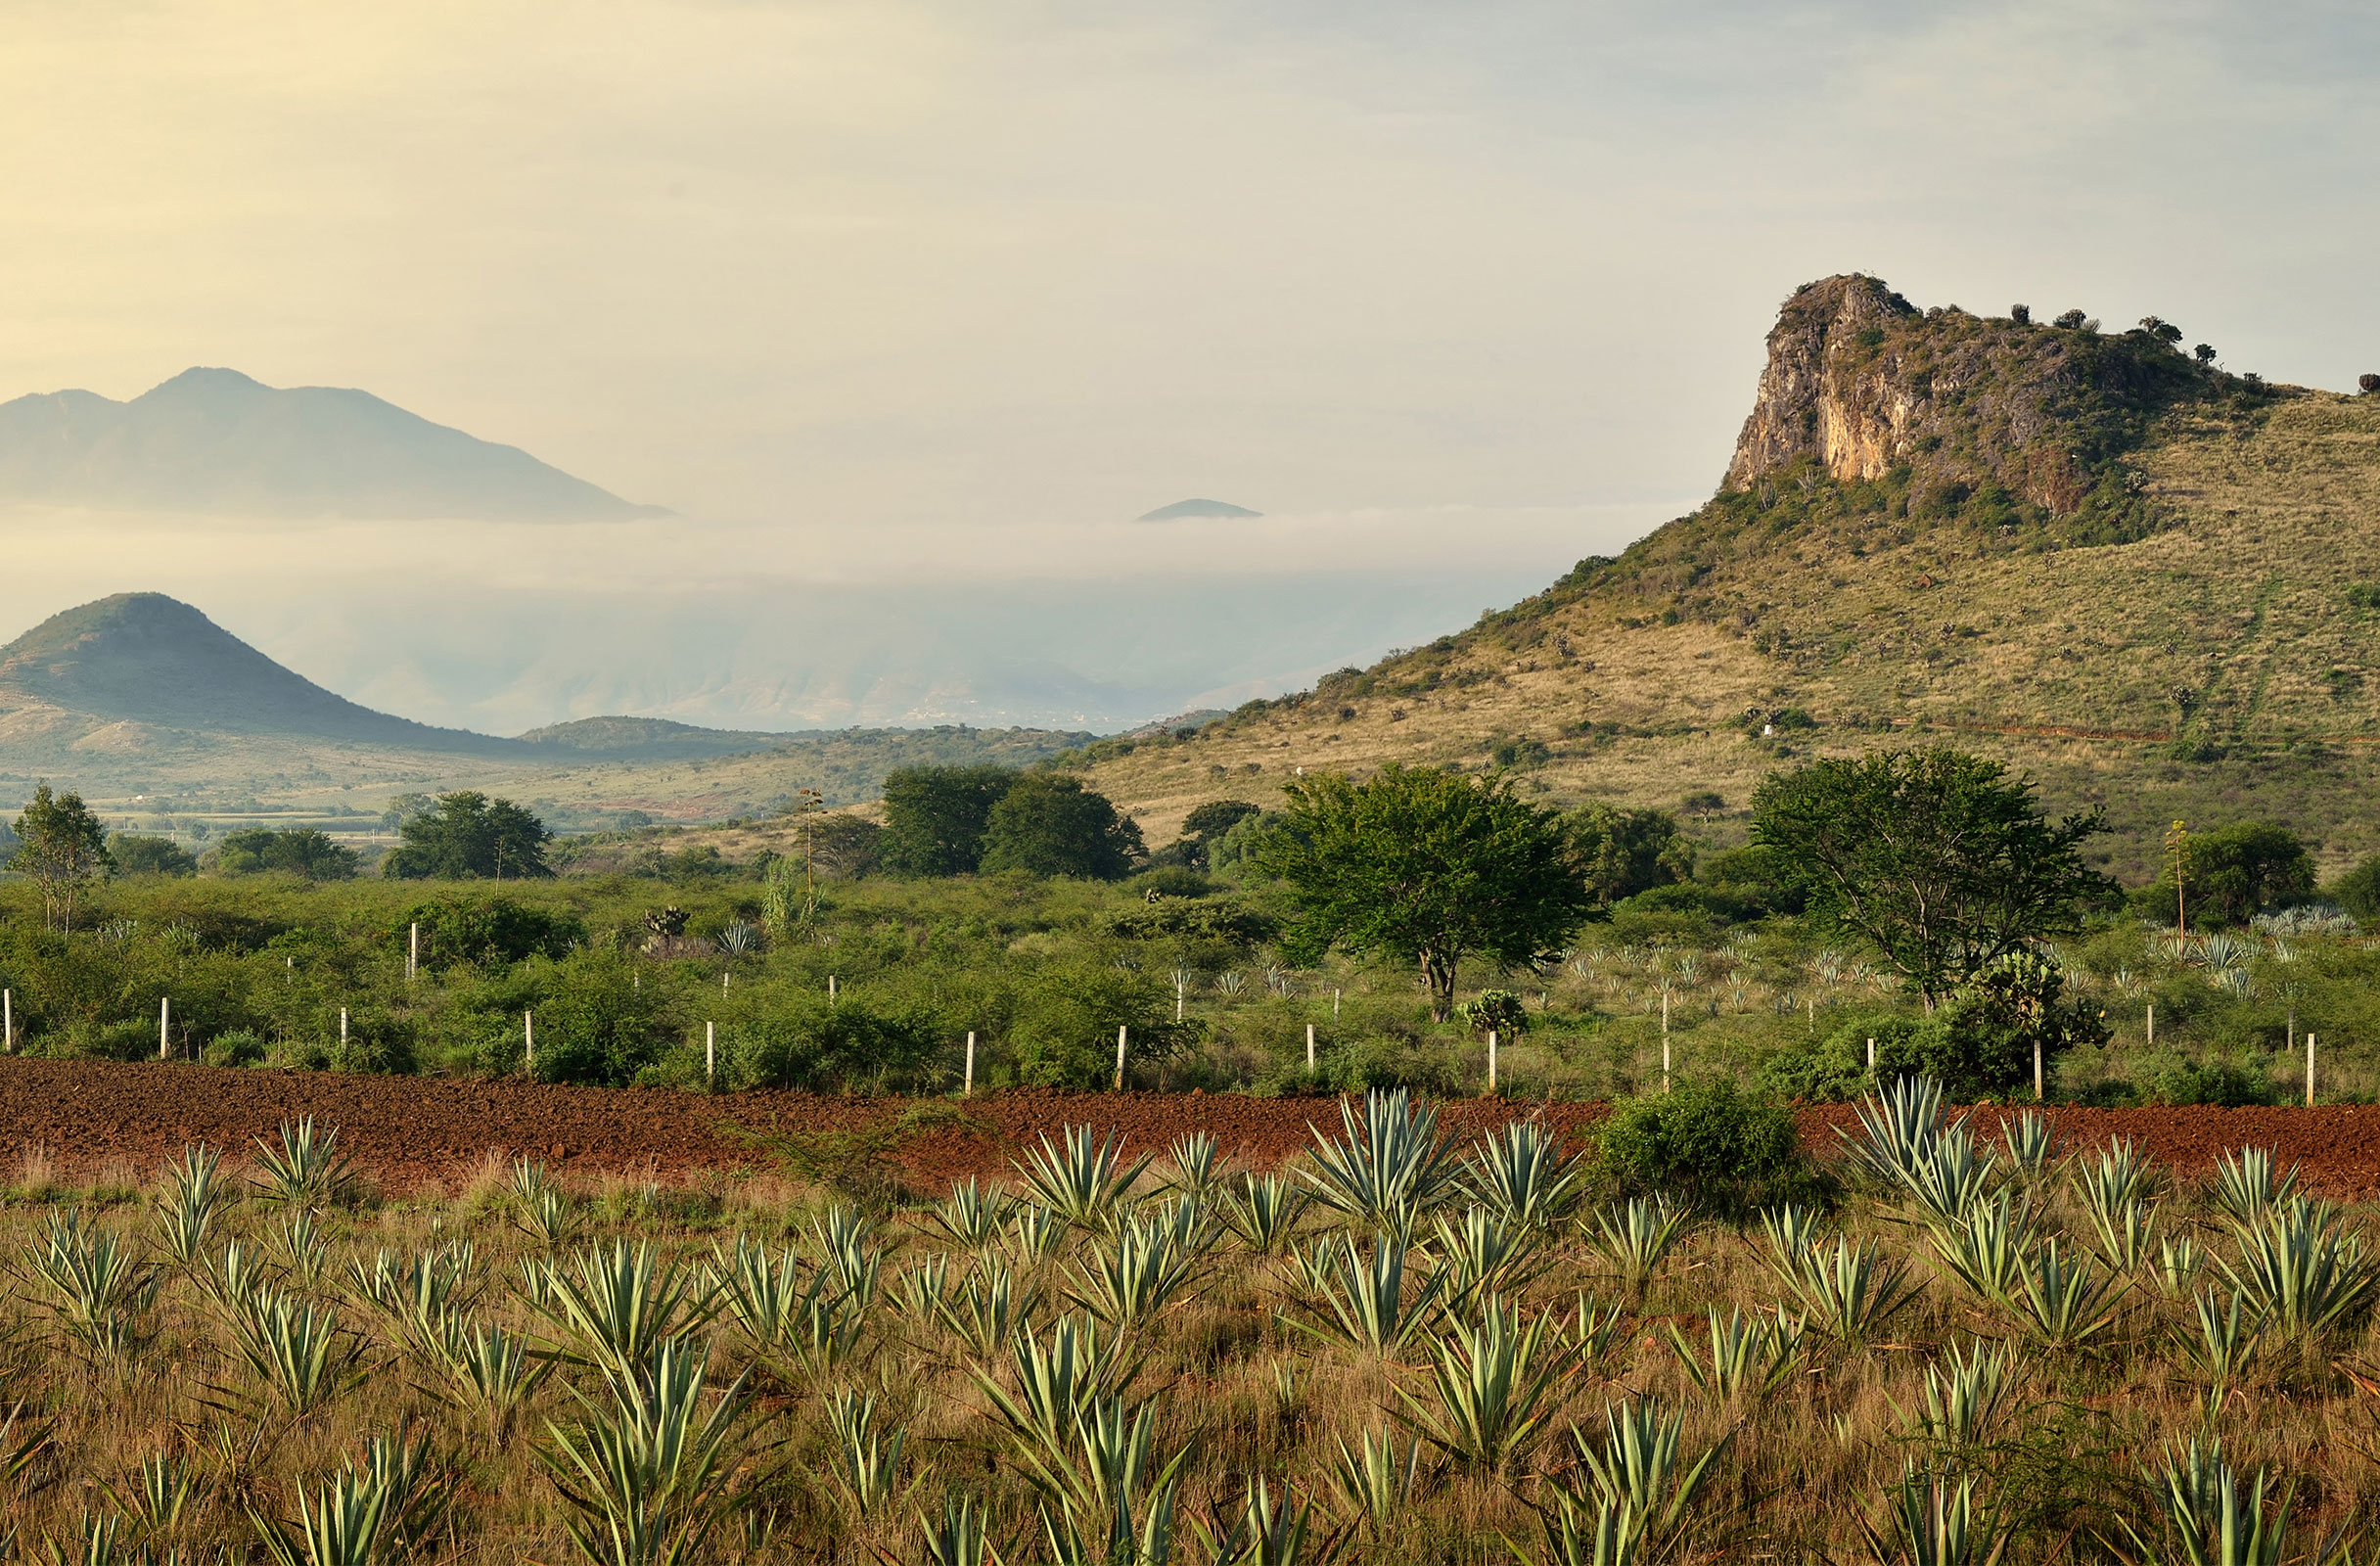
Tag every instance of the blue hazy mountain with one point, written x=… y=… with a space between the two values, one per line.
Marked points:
x=1195 y=508
x=216 y=441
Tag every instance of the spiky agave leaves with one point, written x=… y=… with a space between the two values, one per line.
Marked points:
x=2209 y=1516
x=1087 y=1185
x=1390 y=1169
x=1930 y=1520
x=98 y=1293
x=1748 y=1356
x=1846 y=1290
x=2301 y=1268
x=648 y=1470
x=1085 y=1449
x=613 y=1309
x=1363 y=1301
x=1261 y=1536
x=1144 y=1268
x=1373 y=1484
x=366 y=1513
x=1519 y=1173
x=304 y=1166
x=185 y=1210
x=1491 y=1387
x=1638 y=1471
x=1636 y=1235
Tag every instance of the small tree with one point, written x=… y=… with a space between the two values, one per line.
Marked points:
x=2369 y=382
x=1619 y=852
x=1426 y=868
x=2235 y=872
x=2203 y=354
x=1937 y=859
x=936 y=816
x=2071 y=320
x=62 y=847
x=138 y=854
x=468 y=835
x=1050 y=825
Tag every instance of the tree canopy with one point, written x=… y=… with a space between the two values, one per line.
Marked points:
x=299 y=851
x=135 y=853
x=1051 y=825
x=936 y=816
x=2233 y=873
x=1424 y=867
x=1938 y=859
x=1619 y=852
x=60 y=848
x=467 y=834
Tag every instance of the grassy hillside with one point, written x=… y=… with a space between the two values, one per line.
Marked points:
x=2190 y=636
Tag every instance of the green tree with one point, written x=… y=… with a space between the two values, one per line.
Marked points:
x=2236 y=872
x=1051 y=825
x=299 y=851
x=1424 y=867
x=936 y=816
x=2358 y=891
x=1938 y=859
x=62 y=847
x=1621 y=852
x=468 y=834
x=1205 y=826
x=134 y=854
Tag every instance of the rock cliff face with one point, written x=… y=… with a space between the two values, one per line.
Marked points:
x=1862 y=384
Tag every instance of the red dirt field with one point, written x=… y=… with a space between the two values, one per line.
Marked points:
x=415 y=1135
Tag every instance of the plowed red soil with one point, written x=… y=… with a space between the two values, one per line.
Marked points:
x=414 y=1133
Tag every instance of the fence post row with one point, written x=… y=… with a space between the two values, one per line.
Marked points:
x=528 y=1038
x=2310 y=1071
x=710 y=1053
x=1491 y=1061
x=164 y=1023
x=8 y=1021
x=1309 y=1049
x=968 y=1090
x=1120 y=1034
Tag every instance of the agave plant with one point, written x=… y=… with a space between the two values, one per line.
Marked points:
x=1487 y=1254
x=1899 y=1127
x=786 y=1320
x=494 y=1373
x=1592 y=1532
x=971 y=1216
x=865 y=1462
x=742 y=940
x=185 y=1210
x=297 y=1243
x=1143 y=1270
x=1194 y=1170
x=614 y=1309
x=1930 y=1521
x=1260 y=1535
x=2246 y=1187
x=847 y=1250
x=2061 y=1299
x=1264 y=1210
x=648 y=1470
x=297 y=1349
x=2209 y=1515
x=1848 y=1291
x=1749 y=1357
x=98 y=1293
x=2124 y=1234
x=918 y=1289
x=304 y=1166
x=1060 y=1378
x=1986 y=1249
x=959 y=1536
x=158 y=1495
x=538 y=1209
x=2224 y=1343
x=1964 y=1393
x=1636 y=1235
x=1950 y=1176
x=2301 y=1268
x=1087 y=1185
x=420 y=1297
x=1520 y=1175
x=1372 y=1484
x=1035 y=1231
x=1110 y=1500
x=1637 y=1467
x=1391 y=1169
x=1491 y=1386
x=1363 y=1301
x=2029 y=1140
x=2179 y=1263
x=986 y=1310
x=2116 y=1174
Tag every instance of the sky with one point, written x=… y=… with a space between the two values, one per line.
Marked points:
x=907 y=309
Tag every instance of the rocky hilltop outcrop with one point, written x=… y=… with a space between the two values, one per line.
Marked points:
x=1863 y=386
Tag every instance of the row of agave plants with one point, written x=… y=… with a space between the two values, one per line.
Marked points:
x=1388 y=1247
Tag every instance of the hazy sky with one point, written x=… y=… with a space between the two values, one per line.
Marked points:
x=885 y=287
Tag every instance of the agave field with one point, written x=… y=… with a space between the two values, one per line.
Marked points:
x=1402 y=1345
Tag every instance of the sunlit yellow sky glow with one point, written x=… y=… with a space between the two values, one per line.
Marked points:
x=906 y=310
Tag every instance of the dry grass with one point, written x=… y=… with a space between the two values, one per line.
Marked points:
x=2063 y=663
x=1249 y=1397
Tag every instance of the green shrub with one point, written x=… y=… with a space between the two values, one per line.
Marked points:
x=1499 y=1010
x=1833 y=1069
x=241 y=1046
x=852 y=1042
x=490 y=932
x=1708 y=1143
x=2168 y=1078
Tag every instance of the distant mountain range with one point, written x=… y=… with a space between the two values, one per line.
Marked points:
x=149 y=684
x=1181 y=510
x=215 y=441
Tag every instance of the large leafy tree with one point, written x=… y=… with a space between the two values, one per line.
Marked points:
x=2233 y=873
x=1939 y=859
x=1050 y=825
x=301 y=850
x=936 y=816
x=1621 y=852
x=135 y=853
x=467 y=834
x=60 y=848
x=1425 y=867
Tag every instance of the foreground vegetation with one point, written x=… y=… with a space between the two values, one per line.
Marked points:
x=1962 y=1345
